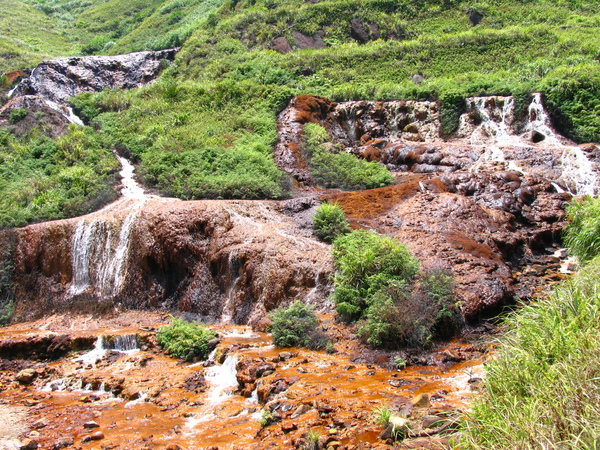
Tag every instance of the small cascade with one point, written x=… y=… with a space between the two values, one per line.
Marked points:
x=65 y=111
x=578 y=173
x=93 y=356
x=539 y=123
x=123 y=343
x=495 y=116
x=100 y=257
x=131 y=188
x=222 y=379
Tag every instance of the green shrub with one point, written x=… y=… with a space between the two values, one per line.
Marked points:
x=185 y=340
x=366 y=262
x=402 y=315
x=297 y=326
x=572 y=95
x=582 y=236
x=17 y=114
x=6 y=283
x=543 y=386
x=330 y=222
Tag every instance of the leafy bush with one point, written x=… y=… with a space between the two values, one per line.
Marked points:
x=412 y=316
x=330 y=222
x=366 y=262
x=185 y=340
x=543 y=386
x=582 y=236
x=298 y=326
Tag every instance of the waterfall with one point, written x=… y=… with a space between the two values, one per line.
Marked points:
x=578 y=173
x=496 y=116
x=539 y=121
x=123 y=343
x=100 y=257
x=100 y=260
x=222 y=379
x=65 y=111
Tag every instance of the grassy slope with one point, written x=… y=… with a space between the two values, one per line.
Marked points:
x=543 y=390
x=33 y=30
x=207 y=127
x=27 y=35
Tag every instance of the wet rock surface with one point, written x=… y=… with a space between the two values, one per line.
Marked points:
x=305 y=393
x=59 y=79
x=217 y=260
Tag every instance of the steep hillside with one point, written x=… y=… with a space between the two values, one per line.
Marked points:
x=207 y=127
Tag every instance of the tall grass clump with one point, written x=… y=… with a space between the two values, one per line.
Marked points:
x=582 y=237
x=543 y=388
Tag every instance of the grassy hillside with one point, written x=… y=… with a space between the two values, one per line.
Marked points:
x=208 y=126
x=33 y=30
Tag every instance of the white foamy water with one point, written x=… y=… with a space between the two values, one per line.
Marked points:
x=65 y=111
x=131 y=188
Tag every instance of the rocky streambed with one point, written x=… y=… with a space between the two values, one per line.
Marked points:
x=248 y=395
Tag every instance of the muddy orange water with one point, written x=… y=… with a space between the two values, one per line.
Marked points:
x=145 y=399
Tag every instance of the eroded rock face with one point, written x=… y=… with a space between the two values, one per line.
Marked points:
x=59 y=79
x=229 y=261
x=406 y=136
x=481 y=227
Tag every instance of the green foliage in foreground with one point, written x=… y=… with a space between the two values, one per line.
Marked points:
x=367 y=262
x=298 y=326
x=185 y=340
x=330 y=222
x=582 y=236
x=376 y=281
x=334 y=169
x=543 y=388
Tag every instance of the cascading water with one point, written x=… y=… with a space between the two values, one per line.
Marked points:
x=100 y=256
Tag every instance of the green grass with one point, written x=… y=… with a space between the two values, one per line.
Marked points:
x=543 y=388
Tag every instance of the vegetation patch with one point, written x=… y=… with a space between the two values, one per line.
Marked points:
x=544 y=384
x=330 y=222
x=378 y=283
x=185 y=340
x=334 y=168
x=298 y=326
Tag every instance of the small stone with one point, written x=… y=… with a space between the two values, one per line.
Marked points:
x=40 y=424
x=63 y=442
x=173 y=447
x=91 y=424
x=86 y=438
x=421 y=400
x=98 y=435
x=299 y=411
x=286 y=428
x=28 y=444
x=26 y=376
